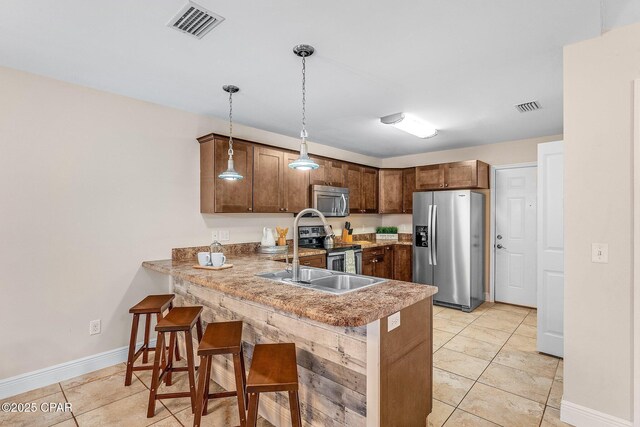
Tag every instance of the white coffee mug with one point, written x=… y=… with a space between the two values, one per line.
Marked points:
x=204 y=258
x=218 y=259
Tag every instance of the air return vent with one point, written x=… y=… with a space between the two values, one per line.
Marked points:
x=528 y=106
x=195 y=20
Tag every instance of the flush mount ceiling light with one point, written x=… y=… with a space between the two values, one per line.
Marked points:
x=230 y=174
x=303 y=162
x=410 y=124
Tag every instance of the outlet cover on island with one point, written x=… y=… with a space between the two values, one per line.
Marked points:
x=224 y=235
x=393 y=321
x=94 y=327
x=600 y=253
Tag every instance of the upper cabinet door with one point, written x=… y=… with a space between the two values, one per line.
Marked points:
x=391 y=183
x=234 y=196
x=354 y=184
x=207 y=177
x=336 y=173
x=370 y=190
x=408 y=187
x=461 y=174
x=319 y=176
x=430 y=177
x=268 y=187
x=296 y=186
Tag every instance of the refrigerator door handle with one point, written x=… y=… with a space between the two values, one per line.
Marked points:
x=429 y=231
x=434 y=247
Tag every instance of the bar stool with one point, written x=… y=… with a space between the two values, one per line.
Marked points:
x=152 y=304
x=179 y=319
x=273 y=368
x=221 y=338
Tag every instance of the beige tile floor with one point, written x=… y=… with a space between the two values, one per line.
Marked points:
x=486 y=373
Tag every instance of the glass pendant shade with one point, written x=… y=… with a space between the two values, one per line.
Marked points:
x=230 y=174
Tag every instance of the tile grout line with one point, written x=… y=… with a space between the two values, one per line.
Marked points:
x=73 y=417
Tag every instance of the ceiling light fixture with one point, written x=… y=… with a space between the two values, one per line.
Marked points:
x=410 y=124
x=303 y=162
x=230 y=174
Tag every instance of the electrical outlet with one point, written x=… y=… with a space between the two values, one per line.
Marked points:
x=214 y=235
x=600 y=253
x=224 y=235
x=393 y=321
x=94 y=327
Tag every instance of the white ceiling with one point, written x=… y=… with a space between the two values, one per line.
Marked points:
x=460 y=64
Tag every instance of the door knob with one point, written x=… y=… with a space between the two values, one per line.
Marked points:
x=499 y=246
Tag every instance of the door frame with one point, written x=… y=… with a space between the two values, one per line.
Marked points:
x=492 y=224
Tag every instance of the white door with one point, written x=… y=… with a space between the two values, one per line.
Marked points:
x=551 y=248
x=515 y=236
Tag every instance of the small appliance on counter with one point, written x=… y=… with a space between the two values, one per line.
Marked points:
x=268 y=241
x=339 y=257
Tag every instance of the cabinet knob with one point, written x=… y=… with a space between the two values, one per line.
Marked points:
x=446 y=185
x=249 y=209
x=441 y=185
x=286 y=209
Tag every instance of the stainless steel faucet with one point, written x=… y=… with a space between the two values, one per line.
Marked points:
x=295 y=263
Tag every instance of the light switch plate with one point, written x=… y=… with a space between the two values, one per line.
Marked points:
x=600 y=253
x=393 y=321
x=214 y=235
x=224 y=235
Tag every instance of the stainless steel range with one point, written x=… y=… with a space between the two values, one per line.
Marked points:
x=313 y=236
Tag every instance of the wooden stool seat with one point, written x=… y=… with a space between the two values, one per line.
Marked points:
x=179 y=319
x=221 y=338
x=150 y=305
x=273 y=368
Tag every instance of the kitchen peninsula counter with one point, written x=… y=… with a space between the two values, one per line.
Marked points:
x=364 y=357
x=356 y=308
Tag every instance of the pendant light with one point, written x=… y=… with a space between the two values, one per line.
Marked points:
x=230 y=174
x=303 y=162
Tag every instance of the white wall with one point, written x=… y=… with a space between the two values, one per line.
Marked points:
x=598 y=135
x=91 y=185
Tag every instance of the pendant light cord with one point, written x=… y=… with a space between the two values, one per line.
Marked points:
x=303 y=134
x=230 y=124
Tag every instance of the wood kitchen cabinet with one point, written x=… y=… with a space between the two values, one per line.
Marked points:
x=396 y=190
x=329 y=172
x=402 y=263
x=391 y=194
x=378 y=262
x=362 y=182
x=218 y=195
x=278 y=188
x=408 y=188
x=455 y=175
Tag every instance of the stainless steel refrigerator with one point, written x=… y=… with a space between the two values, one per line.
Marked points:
x=448 y=240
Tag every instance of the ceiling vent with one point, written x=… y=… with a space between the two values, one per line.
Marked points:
x=195 y=20
x=528 y=106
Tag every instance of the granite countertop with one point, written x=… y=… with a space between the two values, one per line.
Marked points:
x=352 y=309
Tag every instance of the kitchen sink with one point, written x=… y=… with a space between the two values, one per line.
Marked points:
x=333 y=282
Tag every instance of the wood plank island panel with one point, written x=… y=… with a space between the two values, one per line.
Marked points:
x=331 y=360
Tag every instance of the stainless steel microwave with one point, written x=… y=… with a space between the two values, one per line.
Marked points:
x=331 y=201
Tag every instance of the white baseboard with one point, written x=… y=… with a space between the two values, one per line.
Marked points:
x=582 y=416
x=64 y=371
